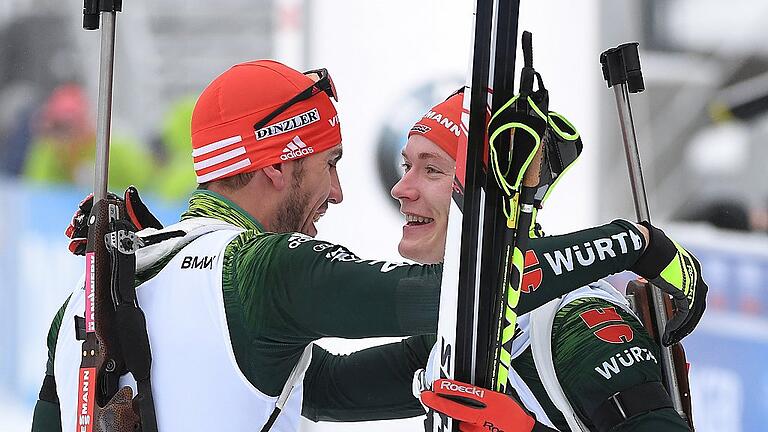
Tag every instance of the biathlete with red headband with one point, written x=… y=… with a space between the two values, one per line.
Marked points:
x=581 y=362
x=238 y=290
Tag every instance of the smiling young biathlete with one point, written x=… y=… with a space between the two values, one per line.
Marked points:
x=581 y=362
x=236 y=292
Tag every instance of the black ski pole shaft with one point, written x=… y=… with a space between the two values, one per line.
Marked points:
x=622 y=72
x=515 y=162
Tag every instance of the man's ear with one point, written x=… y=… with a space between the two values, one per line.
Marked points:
x=276 y=175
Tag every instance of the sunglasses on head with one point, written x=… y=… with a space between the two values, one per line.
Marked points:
x=322 y=83
x=459 y=91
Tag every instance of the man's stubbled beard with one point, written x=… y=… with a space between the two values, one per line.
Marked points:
x=291 y=214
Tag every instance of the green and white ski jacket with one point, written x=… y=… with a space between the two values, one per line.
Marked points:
x=575 y=352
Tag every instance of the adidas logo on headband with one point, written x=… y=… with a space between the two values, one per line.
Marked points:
x=296 y=148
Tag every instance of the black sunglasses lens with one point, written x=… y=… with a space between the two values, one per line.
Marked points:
x=331 y=89
x=322 y=81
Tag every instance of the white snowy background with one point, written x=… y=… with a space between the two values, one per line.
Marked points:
x=379 y=53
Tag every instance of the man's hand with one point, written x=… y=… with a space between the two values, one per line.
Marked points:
x=138 y=213
x=478 y=409
x=677 y=272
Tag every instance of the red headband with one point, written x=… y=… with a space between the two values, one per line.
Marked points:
x=224 y=142
x=442 y=124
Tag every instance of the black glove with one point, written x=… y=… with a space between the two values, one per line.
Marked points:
x=138 y=214
x=677 y=272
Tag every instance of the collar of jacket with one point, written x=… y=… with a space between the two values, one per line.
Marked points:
x=207 y=204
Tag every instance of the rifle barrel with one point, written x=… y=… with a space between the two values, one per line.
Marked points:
x=104 y=108
x=621 y=92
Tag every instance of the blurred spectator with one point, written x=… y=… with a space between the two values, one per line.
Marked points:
x=38 y=48
x=758 y=218
x=18 y=103
x=32 y=62
x=63 y=150
x=729 y=214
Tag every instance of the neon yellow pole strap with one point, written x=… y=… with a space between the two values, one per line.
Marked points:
x=537 y=139
x=503 y=107
x=532 y=231
x=566 y=136
x=504 y=185
x=554 y=183
x=556 y=128
x=511 y=211
x=536 y=108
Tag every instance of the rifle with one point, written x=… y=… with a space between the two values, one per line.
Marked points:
x=622 y=71
x=115 y=338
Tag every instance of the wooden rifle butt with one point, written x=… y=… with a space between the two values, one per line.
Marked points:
x=639 y=294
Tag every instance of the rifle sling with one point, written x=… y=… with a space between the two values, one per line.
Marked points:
x=146 y=405
x=160 y=237
x=630 y=402
x=131 y=324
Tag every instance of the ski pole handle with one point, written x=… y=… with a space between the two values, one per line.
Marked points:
x=532 y=176
x=622 y=72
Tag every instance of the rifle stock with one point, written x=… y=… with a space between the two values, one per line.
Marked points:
x=105 y=408
x=639 y=295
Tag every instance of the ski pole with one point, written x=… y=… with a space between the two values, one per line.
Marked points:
x=516 y=169
x=621 y=70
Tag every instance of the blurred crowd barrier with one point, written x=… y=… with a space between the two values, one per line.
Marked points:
x=727 y=353
x=729 y=382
